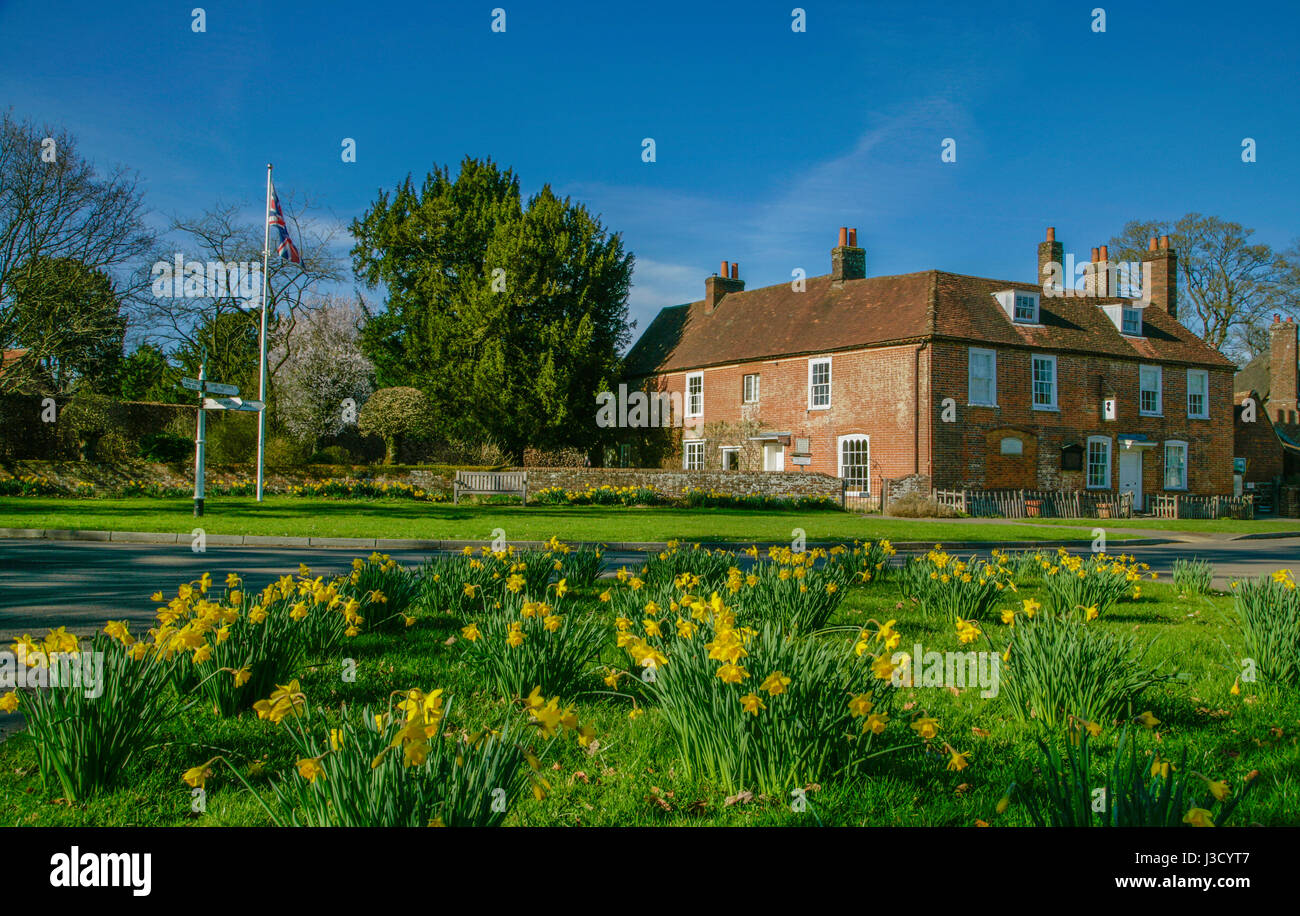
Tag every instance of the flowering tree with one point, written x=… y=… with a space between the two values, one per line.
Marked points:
x=324 y=377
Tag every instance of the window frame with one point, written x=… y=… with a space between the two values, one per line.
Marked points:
x=1205 y=394
x=1124 y=313
x=1087 y=462
x=688 y=446
x=1016 y=296
x=1159 y=391
x=744 y=388
x=1033 y=393
x=812 y=364
x=840 y=442
x=700 y=411
x=971 y=353
x=1164 y=465
x=725 y=450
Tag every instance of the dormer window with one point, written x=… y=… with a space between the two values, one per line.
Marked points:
x=1127 y=320
x=1020 y=306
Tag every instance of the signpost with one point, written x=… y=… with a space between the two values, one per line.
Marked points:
x=231 y=401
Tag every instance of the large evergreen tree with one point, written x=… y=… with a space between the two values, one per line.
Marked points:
x=509 y=316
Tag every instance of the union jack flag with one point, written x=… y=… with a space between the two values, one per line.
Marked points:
x=286 y=249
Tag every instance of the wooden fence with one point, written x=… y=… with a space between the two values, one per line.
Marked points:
x=1036 y=503
x=1187 y=506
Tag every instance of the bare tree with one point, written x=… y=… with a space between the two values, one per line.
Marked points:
x=55 y=207
x=225 y=236
x=1227 y=285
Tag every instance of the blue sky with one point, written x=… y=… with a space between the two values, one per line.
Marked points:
x=767 y=140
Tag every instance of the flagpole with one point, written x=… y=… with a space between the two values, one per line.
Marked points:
x=261 y=380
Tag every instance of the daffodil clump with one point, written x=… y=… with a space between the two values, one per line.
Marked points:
x=1058 y=667
x=458 y=584
x=788 y=588
x=713 y=498
x=710 y=567
x=1133 y=790
x=354 y=488
x=29 y=485
x=1026 y=566
x=384 y=591
x=404 y=765
x=943 y=586
x=581 y=567
x=85 y=731
x=603 y=495
x=521 y=640
x=1100 y=581
x=755 y=707
x=228 y=645
x=865 y=562
x=1269 y=612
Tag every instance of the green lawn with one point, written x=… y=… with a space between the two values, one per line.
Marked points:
x=634 y=778
x=288 y=516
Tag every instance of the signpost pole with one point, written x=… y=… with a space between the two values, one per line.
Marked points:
x=261 y=365
x=199 y=439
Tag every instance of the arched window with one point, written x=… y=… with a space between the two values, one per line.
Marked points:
x=855 y=464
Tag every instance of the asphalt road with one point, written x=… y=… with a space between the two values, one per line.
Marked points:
x=84 y=584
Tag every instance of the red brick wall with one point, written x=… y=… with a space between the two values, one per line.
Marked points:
x=1257 y=442
x=962 y=448
x=873 y=392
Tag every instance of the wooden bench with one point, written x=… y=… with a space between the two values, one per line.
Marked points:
x=490 y=483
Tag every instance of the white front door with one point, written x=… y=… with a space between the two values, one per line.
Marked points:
x=773 y=456
x=1130 y=476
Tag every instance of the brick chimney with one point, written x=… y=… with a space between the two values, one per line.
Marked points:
x=727 y=280
x=1282 y=370
x=1164 y=275
x=1090 y=273
x=1050 y=252
x=1102 y=273
x=848 y=261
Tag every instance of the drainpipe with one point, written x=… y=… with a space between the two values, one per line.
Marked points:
x=916 y=409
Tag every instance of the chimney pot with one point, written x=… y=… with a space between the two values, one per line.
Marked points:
x=1096 y=253
x=853 y=238
x=735 y=270
x=723 y=271
x=844 y=236
x=1051 y=233
x=1105 y=253
x=1164 y=241
x=1151 y=245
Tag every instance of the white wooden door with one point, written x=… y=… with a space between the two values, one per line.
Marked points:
x=1130 y=476
x=773 y=456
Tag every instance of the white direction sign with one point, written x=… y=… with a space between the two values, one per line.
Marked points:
x=231 y=404
x=207 y=387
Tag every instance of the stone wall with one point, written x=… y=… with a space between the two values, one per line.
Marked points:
x=674 y=482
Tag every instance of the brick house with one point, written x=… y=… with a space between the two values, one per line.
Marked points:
x=959 y=381
x=1268 y=446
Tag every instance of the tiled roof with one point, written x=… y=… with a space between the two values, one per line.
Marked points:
x=777 y=321
x=1256 y=376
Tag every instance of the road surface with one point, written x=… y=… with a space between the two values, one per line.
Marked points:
x=84 y=584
